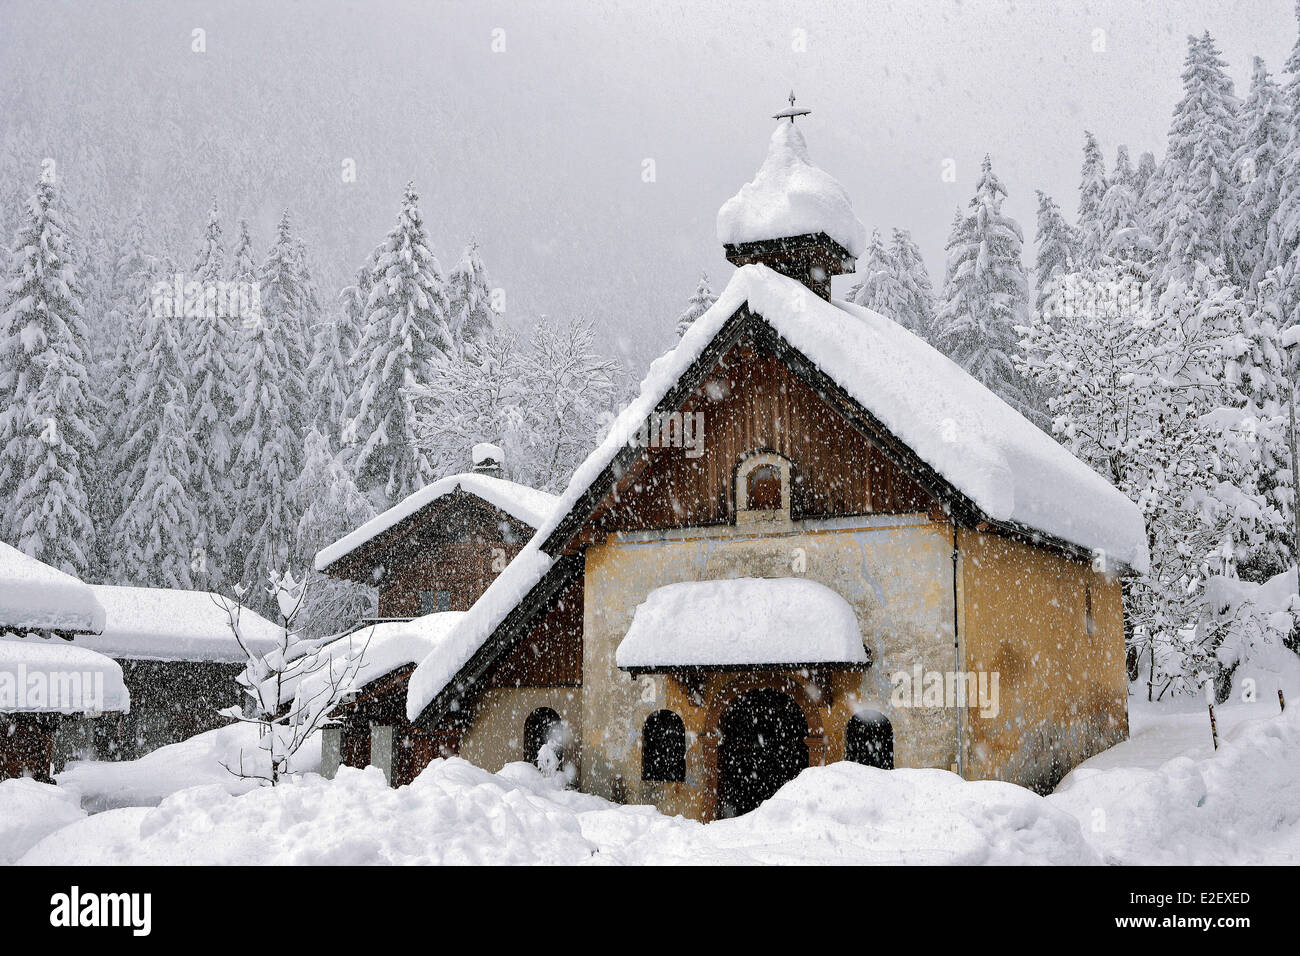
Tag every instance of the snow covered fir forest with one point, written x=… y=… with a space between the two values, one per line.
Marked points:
x=374 y=558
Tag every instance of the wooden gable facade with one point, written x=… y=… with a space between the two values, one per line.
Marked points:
x=752 y=403
x=440 y=558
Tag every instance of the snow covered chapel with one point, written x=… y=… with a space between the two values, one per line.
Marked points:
x=860 y=554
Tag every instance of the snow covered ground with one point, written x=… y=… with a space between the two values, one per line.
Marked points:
x=30 y=811
x=199 y=761
x=1165 y=796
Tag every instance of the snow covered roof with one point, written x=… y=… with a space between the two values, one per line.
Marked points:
x=48 y=675
x=37 y=597
x=369 y=653
x=165 y=624
x=1001 y=462
x=987 y=451
x=789 y=196
x=742 y=621
x=529 y=505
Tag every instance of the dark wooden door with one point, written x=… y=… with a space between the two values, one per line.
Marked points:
x=763 y=747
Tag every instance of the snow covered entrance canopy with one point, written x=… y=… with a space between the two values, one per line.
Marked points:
x=35 y=597
x=528 y=505
x=793 y=216
x=745 y=622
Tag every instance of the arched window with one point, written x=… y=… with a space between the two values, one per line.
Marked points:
x=663 y=747
x=763 y=486
x=763 y=490
x=869 y=740
x=543 y=728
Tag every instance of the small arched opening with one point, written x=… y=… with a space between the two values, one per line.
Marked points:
x=763 y=488
x=663 y=747
x=544 y=739
x=869 y=740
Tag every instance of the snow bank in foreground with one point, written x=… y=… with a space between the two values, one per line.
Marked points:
x=1240 y=804
x=105 y=785
x=846 y=813
x=457 y=813
x=1237 y=805
x=29 y=811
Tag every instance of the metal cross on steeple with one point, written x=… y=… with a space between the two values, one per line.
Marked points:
x=792 y=112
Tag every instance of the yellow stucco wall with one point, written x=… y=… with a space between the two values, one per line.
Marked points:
x=894 y=571
x=496 y=736
x=1062 y=692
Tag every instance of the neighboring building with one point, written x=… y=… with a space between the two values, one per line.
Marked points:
x=856 y=529
x=370 y=724
x=431 y=556
x=44 y=680
x=179 y=659
x=439 y=548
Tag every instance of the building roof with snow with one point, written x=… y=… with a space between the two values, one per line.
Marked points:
x=527 y=505
x=988 y=463
x=741 y=622
x=167 y=624
x=48 y=676
x=789 y=230
x=372 y=652
x=37 y=597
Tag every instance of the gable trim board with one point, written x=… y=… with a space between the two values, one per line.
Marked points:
x=615 y=463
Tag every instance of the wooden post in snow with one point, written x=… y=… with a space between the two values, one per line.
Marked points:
x=1281 y=700
x=1214 y=728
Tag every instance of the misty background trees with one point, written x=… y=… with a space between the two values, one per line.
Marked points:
x=146 y=439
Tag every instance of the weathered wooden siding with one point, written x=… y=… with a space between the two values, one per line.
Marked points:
x=27 y=745
x=551 y=654
x=461 y=551
x=754 y=403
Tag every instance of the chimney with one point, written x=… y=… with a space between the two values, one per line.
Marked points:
x=488 y=460
x=792 y=217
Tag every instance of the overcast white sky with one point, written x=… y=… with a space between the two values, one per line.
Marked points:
x=538 y=150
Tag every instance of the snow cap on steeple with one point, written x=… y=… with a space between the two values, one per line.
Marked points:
x=793 y=216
